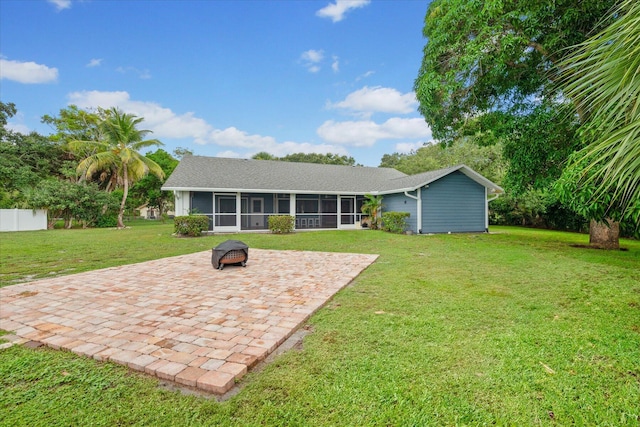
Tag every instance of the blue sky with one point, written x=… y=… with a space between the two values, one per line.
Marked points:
x=225 y=78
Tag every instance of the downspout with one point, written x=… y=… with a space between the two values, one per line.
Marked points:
x=418 y=200
x=486 y=209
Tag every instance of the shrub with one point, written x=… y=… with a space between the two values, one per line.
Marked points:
x=281 y=223
x=192 y=225
x=107 y=221
x=394 y=222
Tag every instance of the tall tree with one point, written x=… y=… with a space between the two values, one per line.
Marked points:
x=496 y=56
x=25 y=160
x=497 y=63
x=118 y=150
x=602 y=77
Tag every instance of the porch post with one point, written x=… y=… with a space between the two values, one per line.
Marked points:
x=292 y=208
x=239 y=211
x=339 y=211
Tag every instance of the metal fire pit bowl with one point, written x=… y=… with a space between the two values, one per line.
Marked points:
x=229 y=252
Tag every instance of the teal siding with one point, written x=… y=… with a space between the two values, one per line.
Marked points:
x=401 y=203
x=454 y=203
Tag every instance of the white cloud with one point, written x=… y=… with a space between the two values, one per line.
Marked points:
x=162 y=121
x=143 y=74
x=18 y=127
x=27 y=72
x=166 y=124
x=229 y=154
x=95 y=62
x=337 y=10
x=366 y=133
x=61 y=4
x=233 y=137
x=335 y=65
x=311 y=59
x=312 y=55
x=378 y=99
x=365 y=75
x=408 y=147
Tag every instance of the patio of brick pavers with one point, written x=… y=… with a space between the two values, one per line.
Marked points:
x=178 y=318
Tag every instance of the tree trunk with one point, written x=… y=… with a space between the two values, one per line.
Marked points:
x=604 y=235
x=125 y=192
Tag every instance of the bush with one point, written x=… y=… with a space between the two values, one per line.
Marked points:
x=394 y=222
x=192 y=225
x=281 y=223
x=107 y=221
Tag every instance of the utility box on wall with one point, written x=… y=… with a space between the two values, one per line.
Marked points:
x=23 y=219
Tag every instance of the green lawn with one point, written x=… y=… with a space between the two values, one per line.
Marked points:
x=516 y=327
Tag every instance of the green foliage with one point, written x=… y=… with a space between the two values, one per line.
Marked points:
x=370 y=207
x=75 y=124
x=149 y=188
x=107 y=221
x=601 y=77
x=117 y=153
x=537 y=146
x=326 y=159
x=534 y=208
x=579 y=190
x=484 y=56
x=180 y=152
x=394 y=222
x=280 y=224
x=486 y=160
x=191 y=225
x=25 y=160
x=68 y=200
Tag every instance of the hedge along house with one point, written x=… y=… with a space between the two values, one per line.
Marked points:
x=240 y=195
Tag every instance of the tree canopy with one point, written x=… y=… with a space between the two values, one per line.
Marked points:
x=495 y=56
x=327 y=159
x=487 y=160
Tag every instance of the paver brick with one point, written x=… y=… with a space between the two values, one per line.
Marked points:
x=141 y=362
x=124 y=357
x=245 y=359
x=216 y=382
x=170 y=370
x=171 y=317
x=212 y=364
x=236 y=369
x=189 y=376
x=182 y=357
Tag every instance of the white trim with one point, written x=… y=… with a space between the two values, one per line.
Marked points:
x=342 y=226
x=471 y=174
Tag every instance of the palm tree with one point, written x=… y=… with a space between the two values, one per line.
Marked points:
x=602 y=77
x=117 y=151
x=370 y=207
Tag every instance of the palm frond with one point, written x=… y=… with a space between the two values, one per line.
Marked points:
x=602 y=77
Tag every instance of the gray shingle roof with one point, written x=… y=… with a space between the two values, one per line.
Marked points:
x=199 y=173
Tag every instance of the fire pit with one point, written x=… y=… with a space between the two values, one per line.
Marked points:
x=230 y=252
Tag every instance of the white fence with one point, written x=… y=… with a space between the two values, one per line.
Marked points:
x=23 y=219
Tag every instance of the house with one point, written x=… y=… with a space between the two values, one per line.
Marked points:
x=240 y=194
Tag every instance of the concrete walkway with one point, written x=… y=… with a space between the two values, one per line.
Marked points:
x=178 y=318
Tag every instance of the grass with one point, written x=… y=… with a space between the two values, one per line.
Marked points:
x=512 y=328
